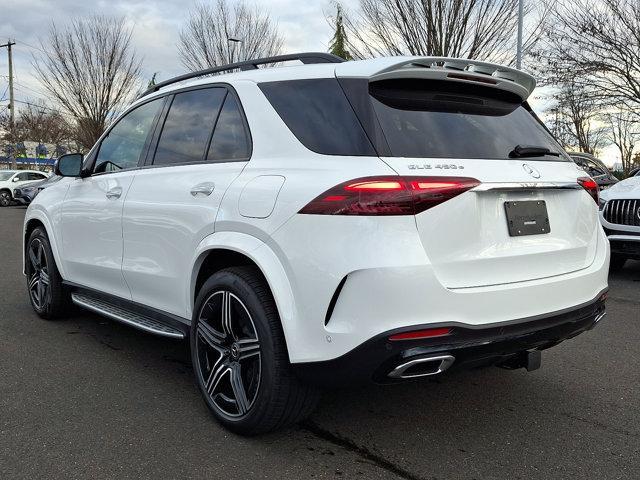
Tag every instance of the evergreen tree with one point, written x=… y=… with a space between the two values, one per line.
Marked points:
x=338 y=45
x=152 y=82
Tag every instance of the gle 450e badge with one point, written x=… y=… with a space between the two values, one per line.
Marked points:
x=440 y=166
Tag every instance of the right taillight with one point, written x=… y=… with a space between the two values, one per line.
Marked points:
x=590 y=185
x=388 y=195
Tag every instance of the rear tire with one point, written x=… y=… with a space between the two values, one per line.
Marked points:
x=617 y=262
x=240 y=357
x=48 y=296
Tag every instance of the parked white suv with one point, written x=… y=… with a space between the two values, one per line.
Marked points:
x=620 y=216
x=10 y=179
x=333 y=222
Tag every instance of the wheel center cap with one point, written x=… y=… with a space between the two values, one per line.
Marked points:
x=235 y=351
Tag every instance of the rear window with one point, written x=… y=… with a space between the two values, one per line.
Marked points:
x=318 y=113
x=441 y=119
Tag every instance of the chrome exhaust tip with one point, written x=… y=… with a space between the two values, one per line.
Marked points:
x=597 y=320
x=422 y=367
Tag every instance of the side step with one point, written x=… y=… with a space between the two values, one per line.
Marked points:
x=125 y=316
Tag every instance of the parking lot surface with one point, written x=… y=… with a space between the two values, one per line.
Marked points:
x=85 y=397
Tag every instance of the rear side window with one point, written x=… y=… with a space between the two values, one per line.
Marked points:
x=318 y=113
x=230 y=139
x=441 y=119
x=188 y=126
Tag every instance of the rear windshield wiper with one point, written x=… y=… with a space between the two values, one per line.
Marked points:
x=531 y=151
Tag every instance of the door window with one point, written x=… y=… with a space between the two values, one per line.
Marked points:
x=122 y=147
x=187 y=129
x=22 y=177
x=230 y=140
x=36 y=176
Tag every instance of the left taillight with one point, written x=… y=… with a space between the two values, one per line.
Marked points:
x=388 y=195
x=590 y=185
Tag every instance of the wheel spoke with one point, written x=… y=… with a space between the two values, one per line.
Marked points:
x=217 y=372
x=33 y=283
x=226 y=315
x=249 y=347
x=41 y=292
x=238 y=388
x=32 y=258
x=42 y=259
x=210 y=336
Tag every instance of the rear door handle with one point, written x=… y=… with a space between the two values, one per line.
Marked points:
x=203 y=189
x=114 y=193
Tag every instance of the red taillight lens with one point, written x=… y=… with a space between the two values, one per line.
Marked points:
x=420 y=334
x=388 y=195
x=590 y=186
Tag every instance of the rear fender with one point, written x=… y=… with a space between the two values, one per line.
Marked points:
x=268 y=263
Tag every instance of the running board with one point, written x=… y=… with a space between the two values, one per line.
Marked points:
x=120 y=314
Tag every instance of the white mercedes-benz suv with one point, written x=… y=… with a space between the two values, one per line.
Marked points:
x=332 y=222
x=620 y=217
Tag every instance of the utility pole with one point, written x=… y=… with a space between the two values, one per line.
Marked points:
x=520 y=22
x=12 y=157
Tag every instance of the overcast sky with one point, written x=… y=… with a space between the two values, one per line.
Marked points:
x=156 y=25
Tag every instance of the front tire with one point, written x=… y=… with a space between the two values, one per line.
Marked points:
x=47 y=294
x=5 y=198
x=240 y=357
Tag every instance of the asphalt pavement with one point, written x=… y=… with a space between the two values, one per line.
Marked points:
x=88 y=398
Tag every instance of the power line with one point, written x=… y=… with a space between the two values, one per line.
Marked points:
x=23 y=43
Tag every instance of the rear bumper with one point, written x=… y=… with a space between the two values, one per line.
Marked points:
x=506 y=344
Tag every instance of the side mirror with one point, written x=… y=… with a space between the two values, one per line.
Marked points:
x=69 y=165
x=15 y=179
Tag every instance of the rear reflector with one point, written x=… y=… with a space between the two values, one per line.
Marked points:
x=590 y=185
x=420 y=334
x=388 y=195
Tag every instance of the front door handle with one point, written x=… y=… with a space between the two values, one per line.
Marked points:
x=114 y=193
x=203 y=189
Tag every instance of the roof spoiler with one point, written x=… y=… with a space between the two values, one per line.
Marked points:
x=442 y=68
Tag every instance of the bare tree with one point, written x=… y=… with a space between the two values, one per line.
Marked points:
x=219 y=34
x=624 y=134
x=575 y=119
x=595 y=43
x=480 y=29
x=42 y=124
x=90 y=69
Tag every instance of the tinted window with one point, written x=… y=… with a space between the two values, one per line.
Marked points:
x=319 y=115
x=481 y=123
x=230 y=140
x=36 y=176
x=122 y=147
x=188 y=126
x=23 y=176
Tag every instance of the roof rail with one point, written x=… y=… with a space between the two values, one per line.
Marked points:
x=306 y=58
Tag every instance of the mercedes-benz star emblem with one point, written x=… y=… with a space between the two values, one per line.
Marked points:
x=530 y=170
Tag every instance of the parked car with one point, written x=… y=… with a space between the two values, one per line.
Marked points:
x=634 y=172
x=10 y=179
x=25 y=194
x=620 y=217
x=367 y=221
x=595 y=168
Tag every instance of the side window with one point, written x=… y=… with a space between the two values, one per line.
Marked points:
x=36 y=176
x=594 y=169
x=318 y=113
x=188 y=126
x=230 y=139
x=122 y=147
x=22 y=177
